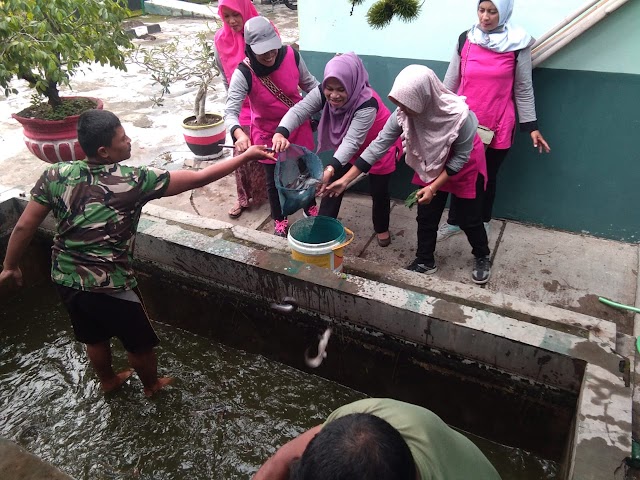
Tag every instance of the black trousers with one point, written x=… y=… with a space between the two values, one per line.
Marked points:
x=272 y=191
x=379 y=190
x=494 y=161
x=469 y=215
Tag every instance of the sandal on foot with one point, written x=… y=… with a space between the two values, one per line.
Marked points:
x=236 y=211
x=384 y=242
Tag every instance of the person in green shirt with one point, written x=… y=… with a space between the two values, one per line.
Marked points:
x=379 y=439
x=97 y=204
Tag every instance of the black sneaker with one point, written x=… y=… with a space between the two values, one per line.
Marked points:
x=421 y=267
x=481 y=270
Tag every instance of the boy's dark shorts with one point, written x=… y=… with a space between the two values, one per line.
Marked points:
x=96 y=317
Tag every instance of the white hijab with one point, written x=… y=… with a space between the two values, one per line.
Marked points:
x=506 y=37
x=440 y=114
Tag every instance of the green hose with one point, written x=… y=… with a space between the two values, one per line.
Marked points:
x=618 y=305
x=626 y=307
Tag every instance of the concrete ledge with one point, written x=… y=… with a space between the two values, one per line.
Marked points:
x=177 y=8
x=426 y=320
x=601 y=445
x=18 y=464
x=597 y=330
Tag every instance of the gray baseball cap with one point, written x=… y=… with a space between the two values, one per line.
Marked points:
x=261 y=36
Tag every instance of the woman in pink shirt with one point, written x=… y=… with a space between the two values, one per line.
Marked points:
x=229 y=52
x=271 y=77
x=492 y=68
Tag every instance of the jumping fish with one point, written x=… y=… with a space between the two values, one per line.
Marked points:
x=314 y=362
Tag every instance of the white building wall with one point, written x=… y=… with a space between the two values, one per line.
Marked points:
x=327 y=26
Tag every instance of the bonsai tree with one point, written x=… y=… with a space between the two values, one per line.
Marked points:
x=181 y=61
x=45 y=42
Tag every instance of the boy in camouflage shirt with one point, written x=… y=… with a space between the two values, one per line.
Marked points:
x=97 y=204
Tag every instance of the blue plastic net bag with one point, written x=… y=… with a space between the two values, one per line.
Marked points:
x=298 y=173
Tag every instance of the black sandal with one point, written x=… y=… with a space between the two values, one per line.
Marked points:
x=236 y=211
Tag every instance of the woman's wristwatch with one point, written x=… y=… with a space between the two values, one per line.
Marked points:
x=330 y=169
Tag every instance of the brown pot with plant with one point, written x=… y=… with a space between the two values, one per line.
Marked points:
x=44 y=43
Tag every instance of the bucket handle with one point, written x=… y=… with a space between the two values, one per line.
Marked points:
x=347 y=242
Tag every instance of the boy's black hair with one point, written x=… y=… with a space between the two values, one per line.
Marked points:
x=359 y=446
x=96 y=128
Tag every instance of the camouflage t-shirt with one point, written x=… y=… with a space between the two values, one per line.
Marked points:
x=97 y=209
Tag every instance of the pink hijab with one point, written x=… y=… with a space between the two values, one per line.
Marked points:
x=440 y=114
x=229 y=44
x=349 y=70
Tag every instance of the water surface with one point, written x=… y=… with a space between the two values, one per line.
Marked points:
x=228 y=412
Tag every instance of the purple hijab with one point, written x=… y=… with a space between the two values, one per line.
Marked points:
x=349 y=70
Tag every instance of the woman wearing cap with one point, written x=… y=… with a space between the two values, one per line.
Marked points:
x=270 y=77
x=352 y=116
x=229 y=52
x=492 y=68
x=443 y=147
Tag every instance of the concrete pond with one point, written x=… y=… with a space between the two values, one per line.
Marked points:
x=531 y=361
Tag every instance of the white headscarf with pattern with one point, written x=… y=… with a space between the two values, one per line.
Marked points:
x=440 y=114
x=506 y=37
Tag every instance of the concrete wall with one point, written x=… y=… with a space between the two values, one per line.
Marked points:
x=586 y=96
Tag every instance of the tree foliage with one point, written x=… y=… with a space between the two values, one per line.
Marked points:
x=45 y=41
x=180 y=60
x=382 y=12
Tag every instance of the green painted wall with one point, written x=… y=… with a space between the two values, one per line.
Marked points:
x=591 y=180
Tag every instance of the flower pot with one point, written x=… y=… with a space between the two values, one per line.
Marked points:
x=54 y=140
x=205 y=140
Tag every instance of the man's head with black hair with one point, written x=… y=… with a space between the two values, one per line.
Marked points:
x=359 y=446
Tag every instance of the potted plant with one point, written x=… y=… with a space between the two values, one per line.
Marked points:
x=45 y=43
x=194 y=63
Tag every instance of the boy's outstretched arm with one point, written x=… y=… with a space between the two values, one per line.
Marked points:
x=20 y=238
x=183 y=180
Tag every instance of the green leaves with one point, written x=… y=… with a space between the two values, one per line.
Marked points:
x=412 y=199
x=46 y=42
x=382 y=12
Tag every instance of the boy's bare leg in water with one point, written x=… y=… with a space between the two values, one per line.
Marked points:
x=100 y=357
x=146 y=366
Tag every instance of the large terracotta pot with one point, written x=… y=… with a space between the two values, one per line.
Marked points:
x=205 y=140
x=54 y=140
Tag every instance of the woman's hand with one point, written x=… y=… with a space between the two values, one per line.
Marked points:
x=280 y=143
x=426 y=195
x=326 y=178
x=539 y=142
x=336 y=188
x=242 y=140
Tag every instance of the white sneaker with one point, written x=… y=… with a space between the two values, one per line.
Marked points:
x=445 y=231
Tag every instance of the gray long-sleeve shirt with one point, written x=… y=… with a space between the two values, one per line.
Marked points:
x=239 y=89
x=522 y=87
x=362 y=120
x=461 y=147
x=225 y=81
